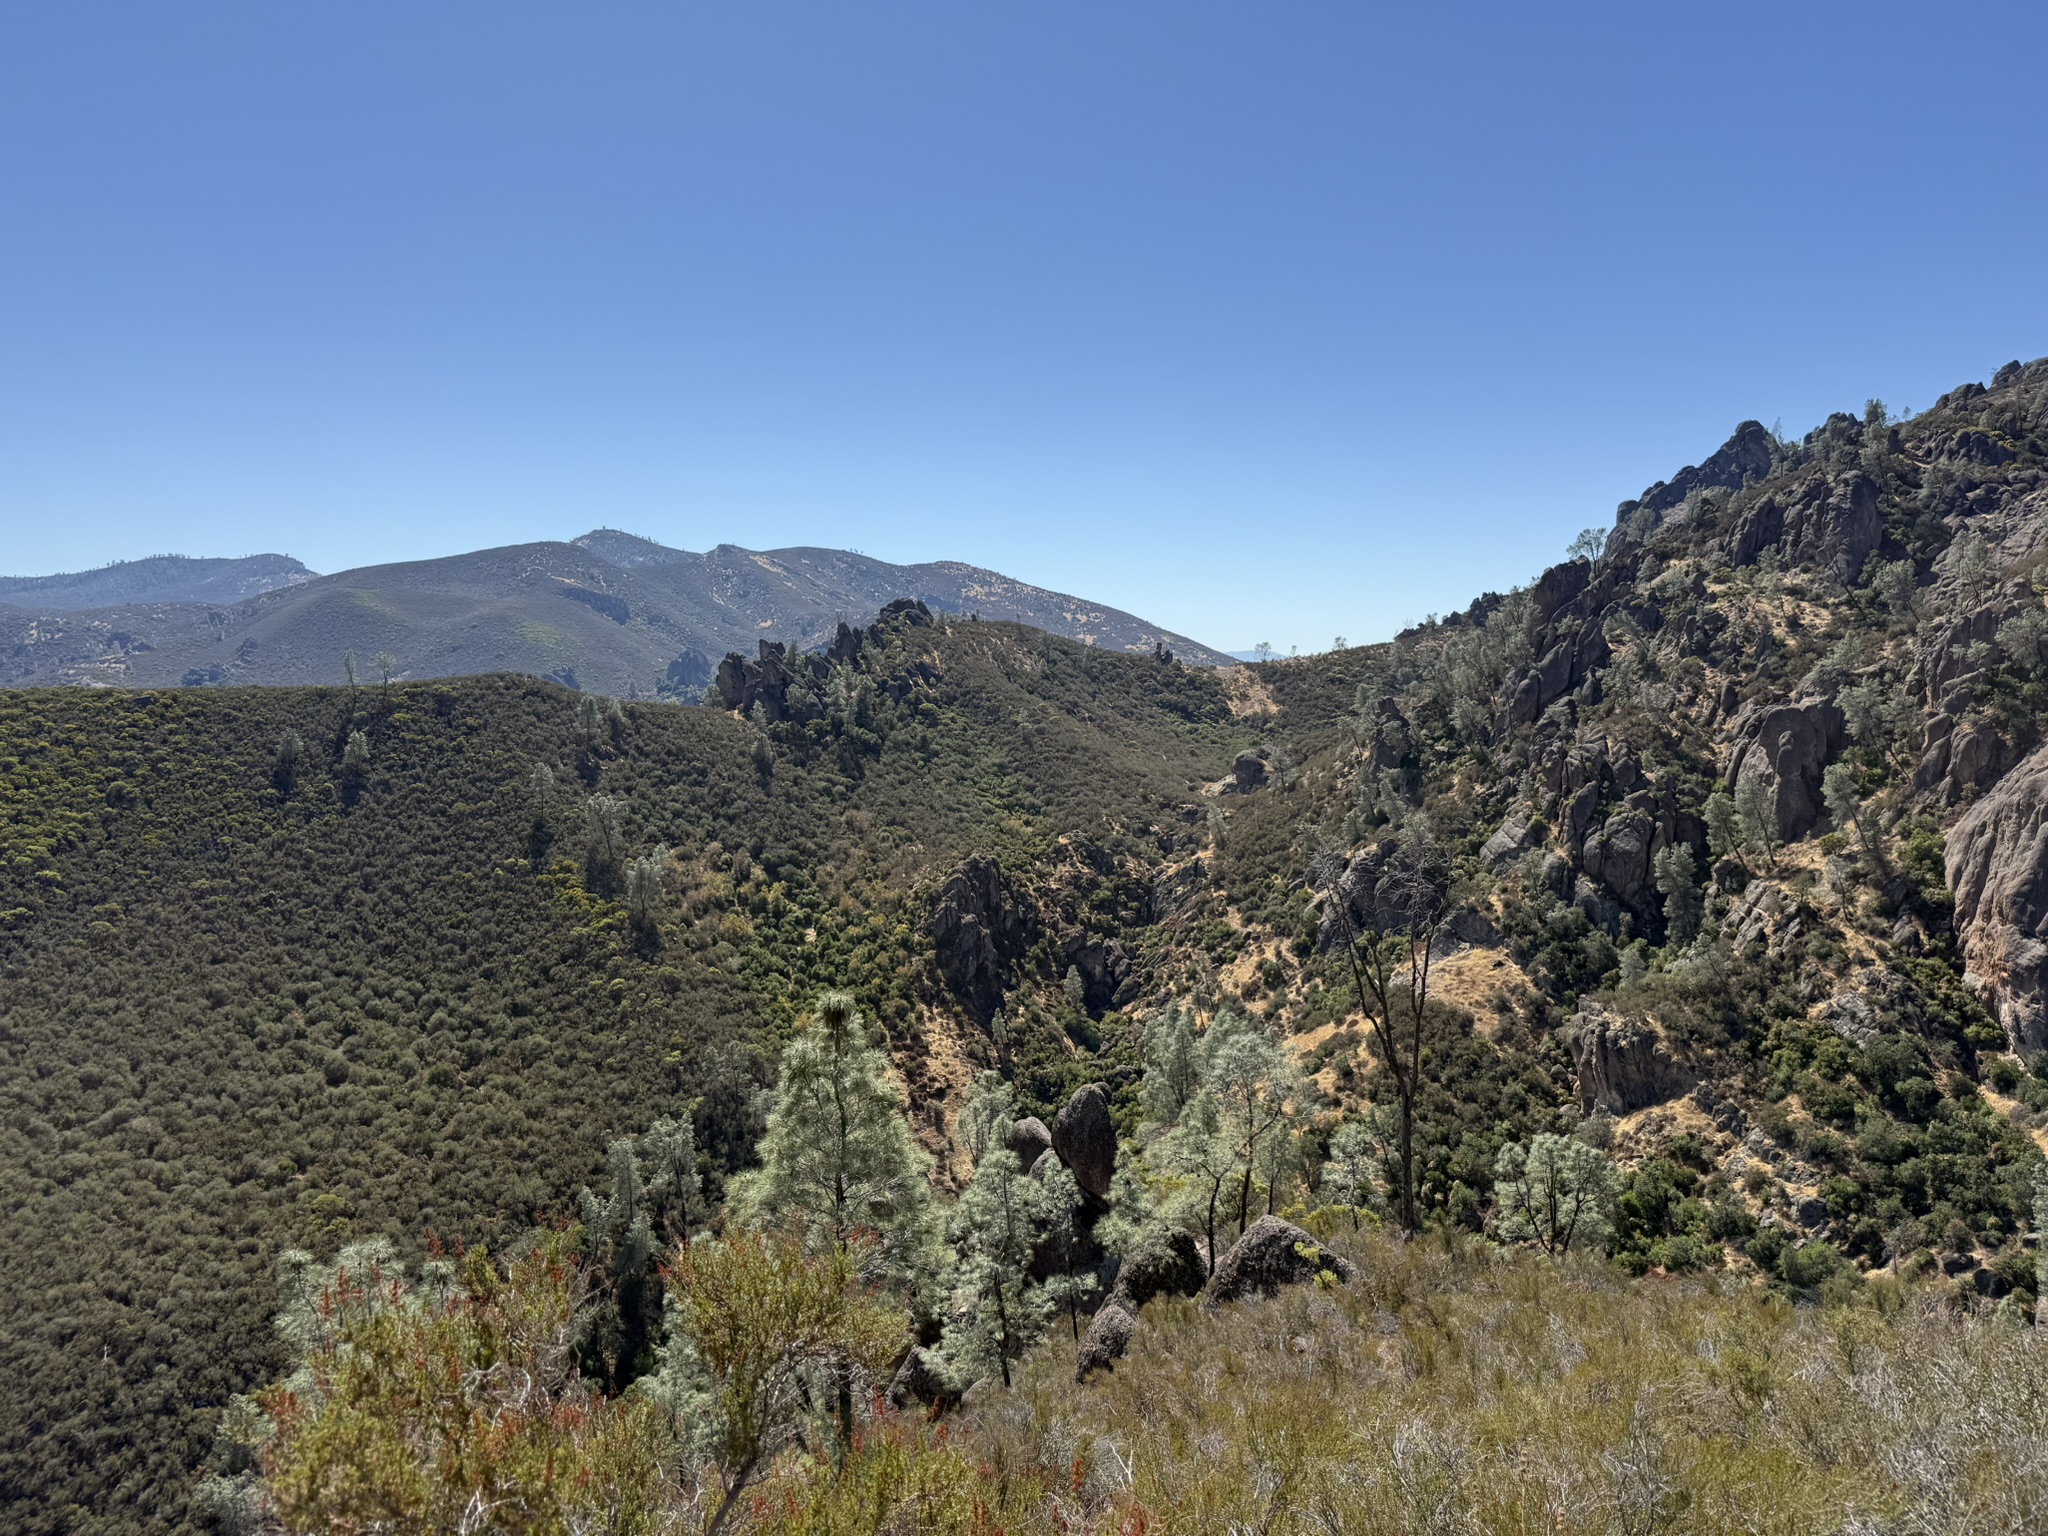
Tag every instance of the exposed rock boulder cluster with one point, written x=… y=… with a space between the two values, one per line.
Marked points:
x=1831 y=524
x=784 y=684
x=1271 y=1254
x=1613 y=819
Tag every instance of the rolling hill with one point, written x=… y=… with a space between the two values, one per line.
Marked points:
x=607 y=613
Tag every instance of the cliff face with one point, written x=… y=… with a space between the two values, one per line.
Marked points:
x=1997 y=866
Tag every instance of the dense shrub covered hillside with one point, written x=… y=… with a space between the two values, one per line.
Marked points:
x=282 y=967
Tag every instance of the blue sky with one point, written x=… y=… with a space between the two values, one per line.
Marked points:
x=1267 y=322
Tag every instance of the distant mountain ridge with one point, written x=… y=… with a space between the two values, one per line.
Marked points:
x=610 y=612
x=157 y=579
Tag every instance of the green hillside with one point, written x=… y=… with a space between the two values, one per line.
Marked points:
x=234 y=1019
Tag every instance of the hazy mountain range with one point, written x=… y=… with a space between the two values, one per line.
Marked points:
x=609 y=612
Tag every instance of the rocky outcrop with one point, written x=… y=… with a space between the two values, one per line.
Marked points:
x=1168 y=1263
x=1272 y=1253
x=976 y=927
x=1788 y=746
x=1971 y=446
x=1827 y=524
x=1946 y=662
x=1028 y=1141
x=1557 y=586
x=1618 y=857
x=1744 y=457
x=784 y=684
x=1998 y=871
x=1569 y=662
x=1106 y=1342
x=1510 y=841
x=1085 y=1139
x=1622 y=1065
x=1247 y=774
x=1104 y=966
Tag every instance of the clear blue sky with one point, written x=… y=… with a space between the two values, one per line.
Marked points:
x=1269 y=322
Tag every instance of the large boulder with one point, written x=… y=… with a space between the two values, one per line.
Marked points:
x=1166 y=1264
x=1247 y=774
x=1085 y=1139
x=1558 y=586
x=1510 y=841
x=1622 y=1065
x=1106 y=1341
x=1029 y=1140
x=1272 y=1253
x=1788 y=746
x=1618 y=857
x=1998 y=870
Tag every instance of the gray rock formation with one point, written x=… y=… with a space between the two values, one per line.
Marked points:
x=1975 y=753
x=1571 y=659
x=1106 y=1342
x=1831 y=525
x=1029 y=1140
x=1169 y=1263
x=1104 y=966
x=976 y=925
x=1945 y=661
x=1788 y=746
x=1085 y=1139
x=1618 y=857
x=1622 y=1066
x=1509 y=842
x=1248 y=773
x=1272 y=1253
x=1998 y=870
x=1557 y=586
x=1744 y=457
x=785 y=684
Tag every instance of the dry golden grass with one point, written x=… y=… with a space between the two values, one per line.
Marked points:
x=1455 y=1388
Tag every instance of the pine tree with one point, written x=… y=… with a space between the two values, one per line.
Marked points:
x=987 y=1116
x=1173 y=1068
x=1756 y=809
x=1556 y=1191
x=1060 y=1217
x=1683 y=906
x=1354 y=1167
x=837 y=1156
x=994 y=1228
x=1724 y=832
